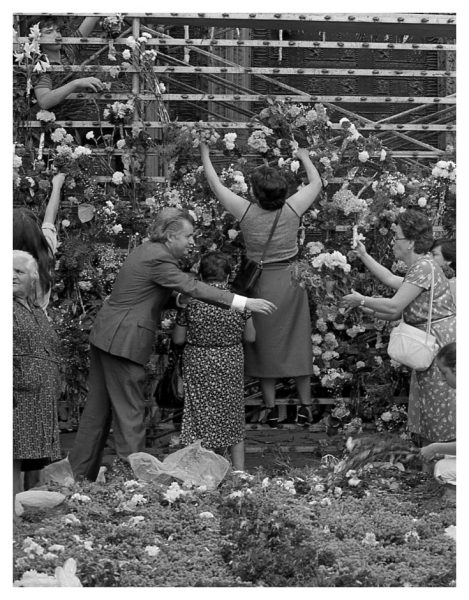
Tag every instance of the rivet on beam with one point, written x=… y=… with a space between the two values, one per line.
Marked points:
x=224 y=70
x=174 y=14
x=423 y=73
x=449 y=126
x=70 y=123
x=365 y=45
x=213 y=42
x=83 y=40
x=277 y=16
x=436 y=99
x=363 y=99
x=388 y=99
x=198 y=69
x=340 y=44
x=275 y=70
x=448 y=73
x=439 y=46
x=425 y=126
x=390 y=45
x=184 y=96
x=95 y=123
x=161 y=41
x=327 y=17
x=300 y=71
x=314 y=98
x=375 y=72
x=189 y=41
x=291 y=43
x=108 y=95
x=415 y=45
x=324 y=70
x=265 y=43
x=375 y=19
x=225 y=15
x=237 y=97
x=201 y=14
x=398 y=72
x=351 y=18
x=302 y=17
x=377 y=126
x=424 y=20
x=225 y=125
x=316 y=43
x=400 y=126
x=169 y=68
x=252 y=15
x=410 y=99
x=248 y=70
x=211 y=97
x=240 y=42
x=288 y=99
x=338 y=98
x=400 y=19
x=450 y=21
x=350 y=71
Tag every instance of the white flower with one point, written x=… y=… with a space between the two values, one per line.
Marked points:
x=354 y=481
x=338 y=492
x=411 y=535
x=295 y=165
x=378 y=360
x=17 y=161
x=316 y=371
x=315 y=247
x=45 y=116
x=90 y=135
x=236 y=494
x=70 y=519
x=369 y=539
x=80 y=498
x=206 y=515
x=152 y=550
x=382 y=155
x=81 y=151
x=360 y=364
x=135 y=520
x=316 y=338
x=131 y=42
x=88 y=545
x=56 y=548
x=117 y=177
x=173 y=492
x=126 y=55
x=281 y=162
x=319 y=487
x=363 y=156
x=132 y=483
x=422 y=202
x=117 y=228
x=58 y=135
x=386 y=416
x=232 y=234
x=50 y=556
x=138 y=499
x=325 y=501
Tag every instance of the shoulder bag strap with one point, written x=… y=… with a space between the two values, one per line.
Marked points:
x=277 y=217
x=429 y=322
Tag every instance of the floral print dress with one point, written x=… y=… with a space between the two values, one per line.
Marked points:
x=432 y=411
x=213 y=372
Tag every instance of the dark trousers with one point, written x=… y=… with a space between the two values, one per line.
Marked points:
x=115 y=395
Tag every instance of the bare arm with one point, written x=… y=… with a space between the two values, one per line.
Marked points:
x=48 y=98
x=249 y=331
x=388 y=309
x=384 y=275
x=234 y=204
x=432 y=451
x=179 y=335
x=54 y=200
x=304 y=197
x=87 y=25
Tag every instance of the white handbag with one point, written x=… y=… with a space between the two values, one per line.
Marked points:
x=411 y=346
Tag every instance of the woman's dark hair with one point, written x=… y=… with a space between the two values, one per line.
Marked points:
x=28 y=236
x=270 y=187
x=448 y=251
x=214 y=266
x=447 y=355
x=416 y=227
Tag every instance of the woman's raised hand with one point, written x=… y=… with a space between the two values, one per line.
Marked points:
x=259 y=305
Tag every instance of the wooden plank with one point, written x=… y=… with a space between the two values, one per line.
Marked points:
x=401 y=18
x=255 y=70
x=241 y=97
x=244 y=125
x=206 y=42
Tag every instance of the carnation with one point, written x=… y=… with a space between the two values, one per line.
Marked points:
x=120 y=144
x=117 y=228
x=17 y=161
x=117 y=178
x=363 y=156
x=45 y=116
x=422 y=202
x=126 y=55
x=90 y=135
x=315 y=247
x=58 y=135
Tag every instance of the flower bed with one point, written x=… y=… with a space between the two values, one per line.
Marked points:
x=378 y=525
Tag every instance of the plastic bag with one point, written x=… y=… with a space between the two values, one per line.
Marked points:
x=39 y=499
x=191 y=465
x=64 y=577
x=59 y=472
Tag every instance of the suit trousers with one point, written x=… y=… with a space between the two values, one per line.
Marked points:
x=115 y=395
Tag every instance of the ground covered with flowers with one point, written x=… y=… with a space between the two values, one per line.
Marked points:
x=381 y=523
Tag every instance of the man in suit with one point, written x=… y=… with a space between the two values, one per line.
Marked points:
x=122 y=337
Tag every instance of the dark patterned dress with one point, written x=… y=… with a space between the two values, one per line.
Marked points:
x=432 y=411
x=36 y=385
x=213 y=371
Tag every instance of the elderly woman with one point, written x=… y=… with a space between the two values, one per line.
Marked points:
x=283 y=341
x=434 y=419
x=36 y=378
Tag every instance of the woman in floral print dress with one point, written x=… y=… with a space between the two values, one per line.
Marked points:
x=213 y=367
x=432 y=412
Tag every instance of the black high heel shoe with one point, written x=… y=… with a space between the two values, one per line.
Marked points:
x=304 y=416
x=272 y=417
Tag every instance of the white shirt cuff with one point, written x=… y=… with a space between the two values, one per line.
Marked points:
x=239 y=303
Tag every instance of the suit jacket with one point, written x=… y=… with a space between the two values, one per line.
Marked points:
x=126 y=324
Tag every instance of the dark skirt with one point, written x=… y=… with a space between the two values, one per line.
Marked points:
x=283 y=339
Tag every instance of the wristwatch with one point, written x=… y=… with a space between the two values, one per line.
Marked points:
x=362 y=301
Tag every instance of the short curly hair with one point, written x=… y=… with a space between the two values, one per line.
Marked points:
x=447 y=355
x=418 y=228
x=168 y=221
x=214 y=266
x=448 y=251
x=269 y=187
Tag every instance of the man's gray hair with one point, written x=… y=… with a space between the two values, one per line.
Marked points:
x=168 y=221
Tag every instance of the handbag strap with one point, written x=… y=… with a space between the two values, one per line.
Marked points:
x=277 y=217
x=429 y=322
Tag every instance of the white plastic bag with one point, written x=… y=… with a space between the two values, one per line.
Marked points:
x=191 y=465
x=59 y=472
x=38 y=499
x=64 y=577
x=412 y=347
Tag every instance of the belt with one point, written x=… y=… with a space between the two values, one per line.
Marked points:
x=433 y=320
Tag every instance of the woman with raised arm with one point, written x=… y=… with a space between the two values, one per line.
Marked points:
x=283 y=341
